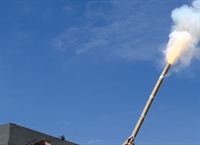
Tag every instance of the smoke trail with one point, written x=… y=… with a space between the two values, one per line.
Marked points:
x=185 y=35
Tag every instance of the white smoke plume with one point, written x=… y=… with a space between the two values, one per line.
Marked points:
x=185 y=35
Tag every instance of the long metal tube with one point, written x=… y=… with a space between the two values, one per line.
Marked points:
x=147 y=106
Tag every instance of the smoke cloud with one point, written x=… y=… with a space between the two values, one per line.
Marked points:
x=185 y=35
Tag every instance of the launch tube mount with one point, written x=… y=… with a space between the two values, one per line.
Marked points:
x=130 y=140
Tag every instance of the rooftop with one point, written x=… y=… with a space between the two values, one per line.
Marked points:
x=12 y=134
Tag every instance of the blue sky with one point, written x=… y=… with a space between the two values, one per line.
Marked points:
x=86 y=68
